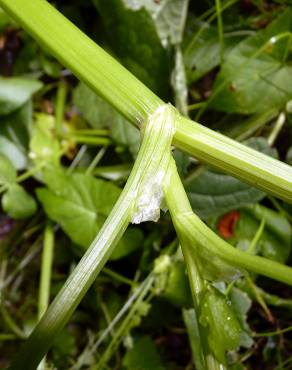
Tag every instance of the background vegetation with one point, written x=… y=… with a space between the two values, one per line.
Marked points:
x=65 y=155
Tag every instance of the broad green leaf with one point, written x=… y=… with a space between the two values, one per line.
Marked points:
x=14 y=135
x=132 y=240
x=252 y=81
x=43 y=144
x=50 y=66
x=97 y=112
x=80 y=204
x=224 y=329
x=275 y=241
x=143 y=356
x=12 y=151
x=63 y=346
x=169 y=17
x=15 y=91
x=213 y=193
x=132 y=35
x=202 y=51
x=126 y=134
x=7 y=171
x=177 y=289
x=241 y=304
x=100 y=114
x=17 y=203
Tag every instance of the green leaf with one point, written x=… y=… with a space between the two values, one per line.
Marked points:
x=126 y=134
x=213 y=193
x=202 y=51
x=132 y=35
x=13 y=152
x=14 y=135
x=218 y=316
x=177 y=289
x=97 y=112
x=43 y=144
x=63 y=346
x=251 y=81
x=179 y=83
x=132 y=240
x=241 y=304
x=100 y=114
x=7 y=171
x=15 y=91
x=80 y=204
x=275 y=241
x=143 y=356
x=17 y=203
x=81 y=207
x=169 y=17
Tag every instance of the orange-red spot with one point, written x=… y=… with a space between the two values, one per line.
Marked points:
x=227 y=223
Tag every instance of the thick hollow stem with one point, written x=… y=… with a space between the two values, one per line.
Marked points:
x=236 y=159
x=135 y=101
x=150 y=161
x=198 y=234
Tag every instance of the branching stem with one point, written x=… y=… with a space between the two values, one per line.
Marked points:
x=136 y=102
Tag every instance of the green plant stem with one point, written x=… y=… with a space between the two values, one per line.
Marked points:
x=8 y=336
x=135 y=101
x=203 y=357
x=277 y=128
x=273 y=333
x=256 y=238
x=95 y=160
x=90 y=140
x=8 y=320
x=60 y=106
x=154 y=148
x=46 y=270
x=118 y=277
x=25 y=175
x=220 y=29
x=199 y=234
x=125 y=325
x=258 y=296
x=236 y=159
x=91 y=132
